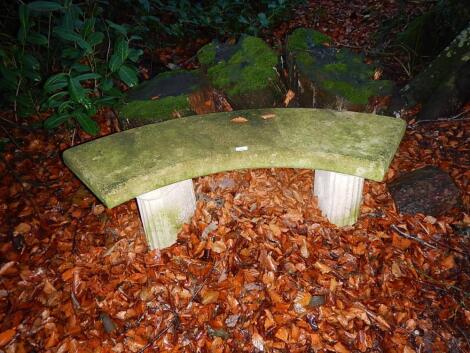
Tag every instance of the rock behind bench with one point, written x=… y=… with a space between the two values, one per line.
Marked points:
x=323 y=76
x=244 y=73
x=161 y=98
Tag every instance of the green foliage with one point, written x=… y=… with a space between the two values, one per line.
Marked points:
x=70 y=57
x=72 y=53
x=180 y=19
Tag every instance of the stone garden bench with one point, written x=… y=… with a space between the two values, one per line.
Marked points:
x=156 y=163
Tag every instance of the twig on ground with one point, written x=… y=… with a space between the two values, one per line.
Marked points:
x=16 y=125
x=436 y=244
x=412 y=237
x=159 y=335
x=10 y=136
x=452 y=118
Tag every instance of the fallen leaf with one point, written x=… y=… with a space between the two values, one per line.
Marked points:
x=268 y=116
x=98 y=209
x=322 y=267
x=6 y=266
x=6 y=336
x=340 y=348
x=218 y=247
x=282 y=334
x=22 y=228
x=289 y=96
x=448 y=262
x=209 y=297
x=408 y=349
x=257 y=341
x=239 y=120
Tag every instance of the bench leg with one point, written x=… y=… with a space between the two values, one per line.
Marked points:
x=339 y=196
x=163 y=212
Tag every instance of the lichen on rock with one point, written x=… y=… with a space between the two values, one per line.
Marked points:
x=324 y=75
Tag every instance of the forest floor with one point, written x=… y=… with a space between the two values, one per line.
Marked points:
x=257 y=269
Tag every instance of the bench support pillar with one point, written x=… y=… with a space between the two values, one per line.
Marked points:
x=339 y=196
x=164 y=210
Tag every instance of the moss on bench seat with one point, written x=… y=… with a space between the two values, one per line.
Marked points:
x=122 y=166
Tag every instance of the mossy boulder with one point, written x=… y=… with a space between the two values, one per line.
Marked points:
x=163 y=97
x=327 y=77
x=245 y=72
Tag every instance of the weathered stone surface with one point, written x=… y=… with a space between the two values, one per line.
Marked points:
x=245 y=72
x=326 y=77
x=161 y=98
x=428 y=190
x=122 y=166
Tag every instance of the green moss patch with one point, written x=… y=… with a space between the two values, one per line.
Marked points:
x=141 y=112
x=248 y=69
x=339 y=72
x=304 y=39
x=206 y=55
x=161 y=98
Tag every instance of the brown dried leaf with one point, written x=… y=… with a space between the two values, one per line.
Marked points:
x=22 y=228
x=268 y=116
x=322 y=267
x=7 y=336
x=340 y=348
x=209 y=297
x=257 y=341
x=283 y=334
x=289 y=96
x=239 y=120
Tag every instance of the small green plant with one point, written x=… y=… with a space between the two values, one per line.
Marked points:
x=83 y=55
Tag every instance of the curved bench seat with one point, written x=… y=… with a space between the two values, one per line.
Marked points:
x=122 y=166
x=126 y=165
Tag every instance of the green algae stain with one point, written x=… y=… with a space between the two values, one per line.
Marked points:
x=350 y=218
x=168 y=224
x=249 y=69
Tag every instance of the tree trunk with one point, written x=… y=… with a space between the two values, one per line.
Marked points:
x=444 y=86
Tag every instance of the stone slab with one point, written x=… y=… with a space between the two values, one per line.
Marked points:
x=122 y=166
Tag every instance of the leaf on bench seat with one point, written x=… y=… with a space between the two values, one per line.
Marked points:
x=239 y=119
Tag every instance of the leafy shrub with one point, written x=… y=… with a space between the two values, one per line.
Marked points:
x=70 y=58
x=86 y=54
x=180 y=19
